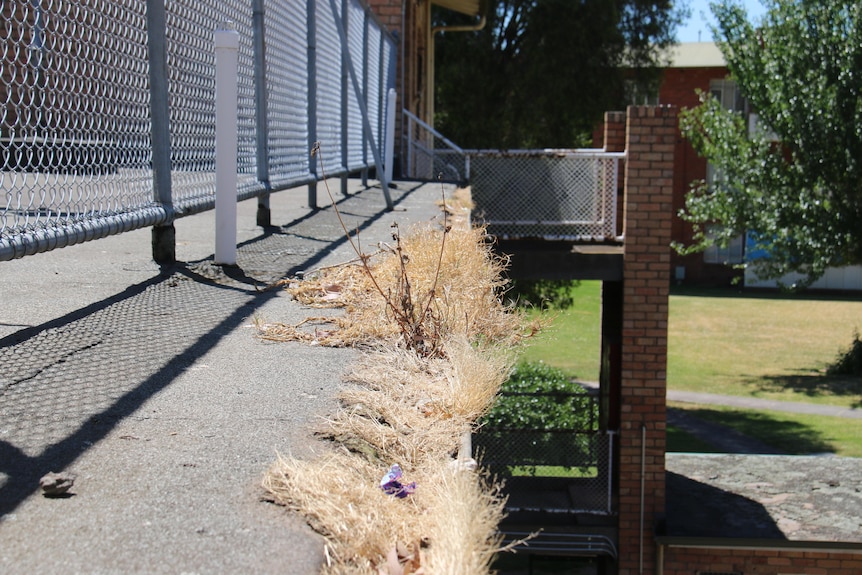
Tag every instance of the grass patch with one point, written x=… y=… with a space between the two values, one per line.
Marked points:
x=770 y=346
x=765 y=345
x=796 y=434
x=679 y=441
x=552 y=471
x=572 y=341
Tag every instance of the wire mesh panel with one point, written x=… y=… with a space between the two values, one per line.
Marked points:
x=74 y=120
x=191 y=89
x=550 y=451
x=287 y=92
x=329 y=85
x=551 y=194
x=83 y=128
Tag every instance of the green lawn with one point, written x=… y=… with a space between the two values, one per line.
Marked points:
x=775 y=347
x=760 y=345
x=572 y=341
x=792 y=433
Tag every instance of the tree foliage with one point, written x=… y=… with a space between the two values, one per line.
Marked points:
x=797 y=192
x=542 y=72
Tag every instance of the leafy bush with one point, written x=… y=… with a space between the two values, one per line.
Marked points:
x=850 y=361
x=543 y=294
x=541 y=424
x=539 y=397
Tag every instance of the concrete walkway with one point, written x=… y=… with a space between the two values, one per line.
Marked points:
x=149 y=384
x=764 y=404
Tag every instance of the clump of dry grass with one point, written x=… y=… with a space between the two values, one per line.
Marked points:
x=414 y=410
x=460 y=288
x=448 y=526
x=411 y=410
x=438 y=345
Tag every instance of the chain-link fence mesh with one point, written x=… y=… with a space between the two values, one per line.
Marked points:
x=552 y=438
x=551 y=194
x=77 y=124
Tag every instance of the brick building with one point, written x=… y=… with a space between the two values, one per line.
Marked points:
x=700 y=66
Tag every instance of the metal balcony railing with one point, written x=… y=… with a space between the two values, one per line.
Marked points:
x=558 y=194
x=551 y=454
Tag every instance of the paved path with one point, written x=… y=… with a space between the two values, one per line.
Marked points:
x=764 y=404
x=150 y=385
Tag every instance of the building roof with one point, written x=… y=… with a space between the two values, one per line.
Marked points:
x=696 y=55
x=785 y=500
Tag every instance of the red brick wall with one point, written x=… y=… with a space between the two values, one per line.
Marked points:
x=684 y=561
x=651 y=136
x=388 y=12
x=679 y=88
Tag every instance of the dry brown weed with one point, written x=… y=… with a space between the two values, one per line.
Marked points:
x=406 y=405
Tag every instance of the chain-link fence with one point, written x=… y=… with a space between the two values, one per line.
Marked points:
x=550 y=194
x=107 y=117
x=551 y=440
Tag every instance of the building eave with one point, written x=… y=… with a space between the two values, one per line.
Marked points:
x=469 y=7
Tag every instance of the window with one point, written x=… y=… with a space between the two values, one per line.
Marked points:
x=730 y=254
x=641 y=94
x=727 y=92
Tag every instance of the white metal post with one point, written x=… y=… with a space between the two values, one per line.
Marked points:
x=389 y=149
x=226 y=41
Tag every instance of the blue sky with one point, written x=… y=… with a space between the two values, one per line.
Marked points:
x=701 y=19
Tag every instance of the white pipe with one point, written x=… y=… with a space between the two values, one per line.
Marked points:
x=226 y=43
x=389 y=144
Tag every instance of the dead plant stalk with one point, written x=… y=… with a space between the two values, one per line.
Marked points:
x=411 y=325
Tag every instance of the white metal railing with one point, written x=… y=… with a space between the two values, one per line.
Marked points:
x=549 y=193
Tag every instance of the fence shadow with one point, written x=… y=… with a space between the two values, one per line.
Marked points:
x=65 y=384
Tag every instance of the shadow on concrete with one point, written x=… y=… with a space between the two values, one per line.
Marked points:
x=65 y=384
x=696 y=509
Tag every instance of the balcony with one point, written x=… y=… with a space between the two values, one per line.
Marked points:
x=554 y=213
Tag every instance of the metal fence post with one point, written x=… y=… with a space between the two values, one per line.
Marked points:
x=264 y=216
x=345 y=80
x=389 y=142
x=163 y=235
x=311 y=34
x=226 y=41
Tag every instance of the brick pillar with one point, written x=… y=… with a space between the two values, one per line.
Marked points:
x=615 y=132
x=650 y=139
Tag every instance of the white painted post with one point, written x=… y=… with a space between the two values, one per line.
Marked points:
x=226 y=42
x=389 y=143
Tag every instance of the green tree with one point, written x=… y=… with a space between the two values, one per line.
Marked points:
x=542 y=72
x=797 y=192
